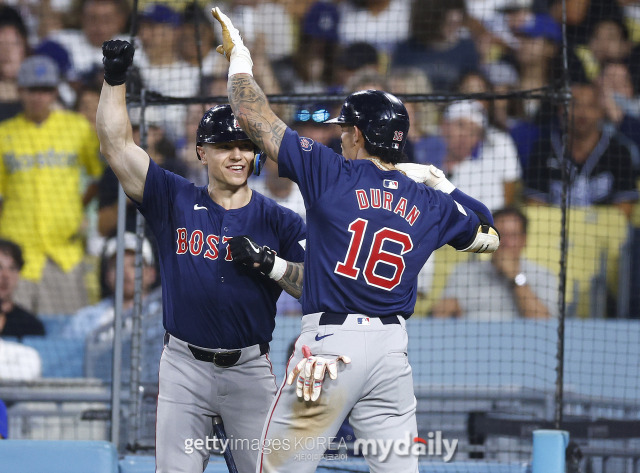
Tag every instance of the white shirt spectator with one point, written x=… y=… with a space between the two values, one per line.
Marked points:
x=383 y=30
x=18 y=362
x=495 y=301
x=84 y=56
x=483 y=177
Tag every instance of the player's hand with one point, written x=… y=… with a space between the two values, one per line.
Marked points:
x=247 y=252
x=428 y=175
x=117 y=56
x=230 y=34
x=310 y=373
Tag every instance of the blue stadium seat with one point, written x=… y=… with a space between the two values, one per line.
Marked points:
x=57 y=456
x=53 y=324
x=61 y=357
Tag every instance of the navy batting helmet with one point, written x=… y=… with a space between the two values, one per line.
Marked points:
x=382 y=119
x=219 y=125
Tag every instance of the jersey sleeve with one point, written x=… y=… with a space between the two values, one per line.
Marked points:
x=458 y=224
x=313 y=166
x=159 y=189
x=292 y=237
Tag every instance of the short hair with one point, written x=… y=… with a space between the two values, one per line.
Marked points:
x=515 y=212
x=12 y=249
x=11 y=17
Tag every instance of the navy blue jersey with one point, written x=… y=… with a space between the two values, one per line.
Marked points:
x=207 y=299
x=369 y=231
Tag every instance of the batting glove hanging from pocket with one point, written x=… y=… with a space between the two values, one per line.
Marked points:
x=310 y=373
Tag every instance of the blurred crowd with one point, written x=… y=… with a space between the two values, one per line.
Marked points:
x=59 y=200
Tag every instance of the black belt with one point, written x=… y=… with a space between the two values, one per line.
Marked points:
x=338 y=318
x=223 y=359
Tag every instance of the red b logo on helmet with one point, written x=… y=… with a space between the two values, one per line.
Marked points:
x=397 y=135
x=235 y=123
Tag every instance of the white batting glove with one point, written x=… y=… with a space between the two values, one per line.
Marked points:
x=428 y=175
x=232 y=46
x=310 y=373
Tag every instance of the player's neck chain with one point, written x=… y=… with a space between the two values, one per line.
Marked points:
x=383 y=166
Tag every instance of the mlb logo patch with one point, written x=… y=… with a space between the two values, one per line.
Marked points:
x=389 y=184
x=364 y=321
x=306 y=143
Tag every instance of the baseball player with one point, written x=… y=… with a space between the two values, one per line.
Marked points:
x=218 y=316
x=370 y=230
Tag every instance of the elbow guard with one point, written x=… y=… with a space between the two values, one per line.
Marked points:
x=486 y=240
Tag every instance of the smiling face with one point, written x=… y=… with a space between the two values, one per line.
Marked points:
x=228 y=164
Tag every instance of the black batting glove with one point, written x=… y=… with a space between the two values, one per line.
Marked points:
x=247 y=252
x=117 y=57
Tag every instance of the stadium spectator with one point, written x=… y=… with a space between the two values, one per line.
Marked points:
x=91 y=317
x=311 y=67
x=478 y=158
x=621 y=107
x=42 y=206
x=259 y=19
x=186 y=153
x=424 y=146
x=87 y=103
x=608 y=41
x=600 y=166
x=381 y=23
x=513 y=286
x=439 y=43
x=582 y=15
x=18 y=362
x=14 y=47
x=100 y=20
x=14 y=320
x=355 y=59
x=538 y=42
x=4 y=421
x=475 y=82
x=504 y=79
x=196 y=44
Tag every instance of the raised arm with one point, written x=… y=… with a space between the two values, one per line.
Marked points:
x=487 y=239
x=248 y=101
x=128 y=161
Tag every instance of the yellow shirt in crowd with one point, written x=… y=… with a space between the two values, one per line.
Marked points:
x=40 y=187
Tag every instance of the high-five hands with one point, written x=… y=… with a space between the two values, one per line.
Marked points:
x=310 y=373
x=232 y=46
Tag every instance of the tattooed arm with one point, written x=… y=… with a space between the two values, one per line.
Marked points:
x=288 y=275
x=291 y=281
x=251 y=108
x=248 y=101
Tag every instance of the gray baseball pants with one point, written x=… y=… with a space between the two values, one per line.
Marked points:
x=192 y=392
x=375 y=391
